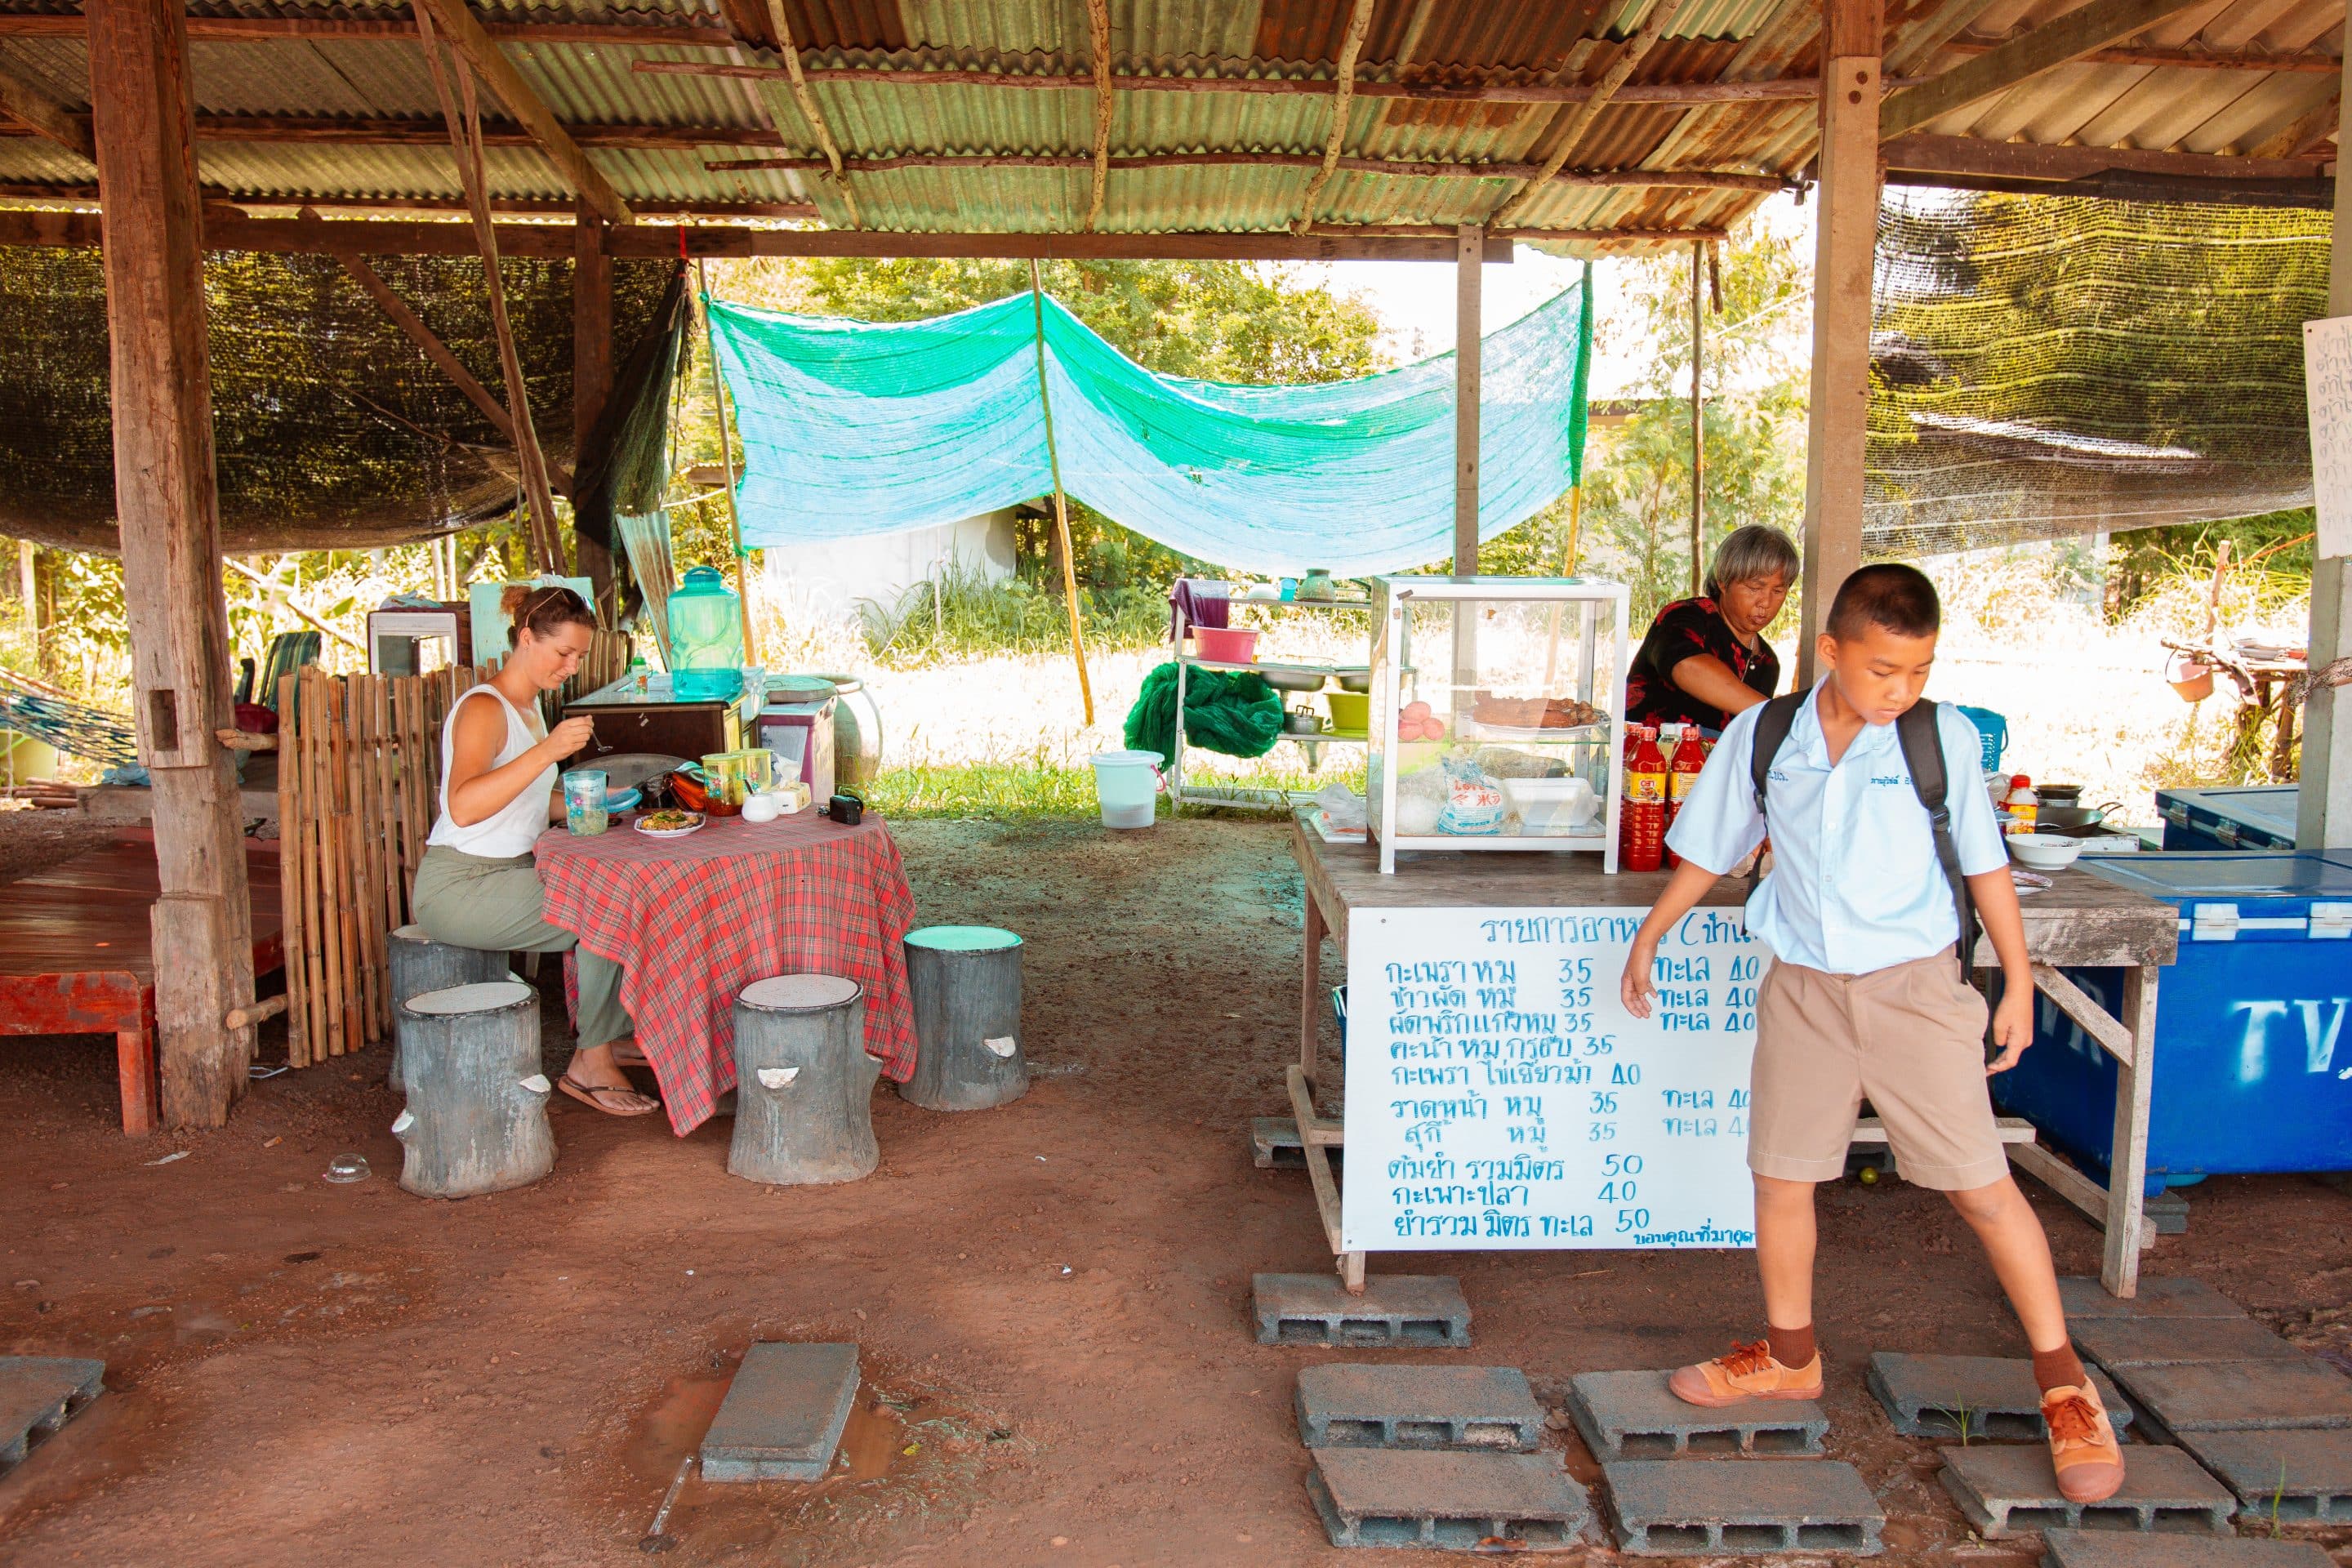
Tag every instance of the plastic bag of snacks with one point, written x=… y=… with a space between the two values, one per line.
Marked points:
x=1474 y=803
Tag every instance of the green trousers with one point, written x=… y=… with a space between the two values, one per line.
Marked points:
x=500 y=906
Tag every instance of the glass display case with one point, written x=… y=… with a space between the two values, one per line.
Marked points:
x=1497 y=715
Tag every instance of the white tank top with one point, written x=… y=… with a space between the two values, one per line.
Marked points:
x=514 y=827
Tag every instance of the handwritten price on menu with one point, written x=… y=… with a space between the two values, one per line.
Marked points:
x=1500 y=1096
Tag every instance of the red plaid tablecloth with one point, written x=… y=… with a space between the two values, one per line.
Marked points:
x=693 y=921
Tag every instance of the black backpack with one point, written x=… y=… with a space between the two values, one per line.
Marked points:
x=1923 y=752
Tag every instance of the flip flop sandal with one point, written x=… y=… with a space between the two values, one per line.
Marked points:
x=589 y=1094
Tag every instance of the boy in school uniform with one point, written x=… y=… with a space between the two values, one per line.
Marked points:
x=1865 y=998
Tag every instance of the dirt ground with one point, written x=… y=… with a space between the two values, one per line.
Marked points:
x=1052 y=1299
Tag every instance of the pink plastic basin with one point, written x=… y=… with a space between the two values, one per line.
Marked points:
x=1226 y=645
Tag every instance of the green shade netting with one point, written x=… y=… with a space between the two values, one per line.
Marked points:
x=1229 y=712
x=853 y=428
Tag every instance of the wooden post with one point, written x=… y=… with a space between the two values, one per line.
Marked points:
x=1469 y=255
x=2323 y=804
x=28 y=581
x=1699 y=435
x=1062 y=505
x=592 y=384
x=1846 y=232
x=168 y=511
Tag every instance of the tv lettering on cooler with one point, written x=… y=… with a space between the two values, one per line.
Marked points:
x=2318 y=1035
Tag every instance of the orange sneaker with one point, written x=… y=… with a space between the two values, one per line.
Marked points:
x=2083 y=1445
x=1745 y=1371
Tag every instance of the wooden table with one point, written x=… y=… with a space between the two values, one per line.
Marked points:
x=2081 y=920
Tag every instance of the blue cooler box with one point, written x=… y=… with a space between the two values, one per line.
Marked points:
x=2254 y=1062
x=2247 y=816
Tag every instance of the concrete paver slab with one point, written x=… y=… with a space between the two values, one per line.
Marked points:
x=2222 y=1396
x=783 y=1415
x=1387 y=1497
x=1634 y=1416
x=2172 y=1296
x=2107 y=1548
x=2175 y=1341
x=1350 y=1407
x=1687 y=1508
x=1424 y=1311
x=2295 y=1476
x=1995 y=1399
x=2006 y=1489
x=39 y=1394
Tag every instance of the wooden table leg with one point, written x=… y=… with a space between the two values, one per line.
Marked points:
x=134 y=1065
x=2127 y=1150
x=1351 y=1272
x=1310 y=986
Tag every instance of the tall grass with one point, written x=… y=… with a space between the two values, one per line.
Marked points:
x=962 y=615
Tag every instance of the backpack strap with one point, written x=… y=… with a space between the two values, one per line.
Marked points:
x=1772 y=727
x=1923 y=754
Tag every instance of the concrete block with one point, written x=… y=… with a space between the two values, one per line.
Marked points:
x=2168 y=1211
x=2175 y=1296
x=1489 y=1407
x=1419 y=1310
x=39 y=1394
x=2107 y=1548
x=2173 y=1342
x=783 y=1415
x=2294 y=1476
x=1633 y=1415
x=1932 y=1396
x=1667 y=1508
x=1275 y=1145
x=2229 y=1395
x=2010 y=1489
x=1461 y=1502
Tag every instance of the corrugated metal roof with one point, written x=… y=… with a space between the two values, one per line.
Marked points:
x=1419 y=42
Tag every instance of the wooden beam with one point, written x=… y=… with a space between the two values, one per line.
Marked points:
x=2298 y=136
x=1629 y=55
x=1845 y=232
x=424 y=338
x=411 y=131
x=2179 y=59
x=476 y=48
x=592 y=385
x=232 y=203
x=396 y=28
x=1106 y=107
x=2054 y=44
x=1469 y=262
x=44 y=115
x=1343 y=102
x=168 y=512
x=2027 y=161
x=1670 y=179
x=781 y=26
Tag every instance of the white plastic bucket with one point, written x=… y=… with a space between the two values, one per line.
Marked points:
x=1125 y=786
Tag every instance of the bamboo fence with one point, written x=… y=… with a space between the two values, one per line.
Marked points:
x=359 y=772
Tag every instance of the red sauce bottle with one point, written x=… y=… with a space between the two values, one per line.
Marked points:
x=1642 y=838
x=1683 y=769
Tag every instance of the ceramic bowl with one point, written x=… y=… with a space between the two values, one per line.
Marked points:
x=2044 y=851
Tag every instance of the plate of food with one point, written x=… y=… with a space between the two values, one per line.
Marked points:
x=1537 y=718
x=670 y=823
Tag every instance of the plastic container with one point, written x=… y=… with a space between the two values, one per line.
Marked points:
x=706 y=639
x=1554 y=806
x=2020 y=802
x=1226 y=645
x=856 y=731
x=1127 y=787
x=584 y=811
x=1683 y=768
x=2231 y=816
x=1641 y=827
x=1351 y=712
x=1993 y=729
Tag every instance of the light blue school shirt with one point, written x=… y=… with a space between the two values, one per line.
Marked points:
x=1855 y=884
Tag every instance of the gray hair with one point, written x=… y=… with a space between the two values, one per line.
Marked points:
x=1750 y=552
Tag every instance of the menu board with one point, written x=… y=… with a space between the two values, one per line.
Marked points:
x=2327 y=398
x=1499 y=1095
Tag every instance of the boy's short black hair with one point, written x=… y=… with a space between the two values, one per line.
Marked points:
x=1896 y=597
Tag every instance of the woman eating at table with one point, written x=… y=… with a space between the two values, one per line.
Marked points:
x=1705 y=659
x=476 y=886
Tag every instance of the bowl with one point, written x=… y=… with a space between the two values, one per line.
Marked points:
x=1293 y=679
x=623 y=799
x=2044 y=851
x=1225 y=645
x=1356 y=678
x=1349 y=710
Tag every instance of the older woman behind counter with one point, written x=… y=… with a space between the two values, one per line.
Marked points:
x=1705 y=659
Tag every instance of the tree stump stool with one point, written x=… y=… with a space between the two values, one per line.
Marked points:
x=476 y=1115
x=965 y=983
x=803 y=1083
x=420 y=965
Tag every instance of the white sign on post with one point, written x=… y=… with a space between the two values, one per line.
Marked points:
x=1499 y=1096
x=2327 y=395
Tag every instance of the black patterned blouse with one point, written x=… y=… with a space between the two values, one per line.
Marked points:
x=1686 y=627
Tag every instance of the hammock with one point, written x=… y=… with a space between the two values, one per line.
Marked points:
x=852 y=428
x=92 y=733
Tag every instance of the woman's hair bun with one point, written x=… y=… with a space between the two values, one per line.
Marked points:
x=512 y=599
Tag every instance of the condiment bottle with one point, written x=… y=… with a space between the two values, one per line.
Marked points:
x=1682 y=775
x=2020 y=802
x=1642 y=838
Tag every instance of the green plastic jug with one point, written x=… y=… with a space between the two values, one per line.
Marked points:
x=706 y=639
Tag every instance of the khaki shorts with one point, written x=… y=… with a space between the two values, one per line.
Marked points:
x=1908 y=1038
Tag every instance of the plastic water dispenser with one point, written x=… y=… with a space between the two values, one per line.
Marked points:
x=706 y=639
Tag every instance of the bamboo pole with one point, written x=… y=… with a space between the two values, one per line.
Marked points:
x=1699 y=439
x=726 y=461
x=1061 y=503
x=314 y=849
x=1567 y=569
x=290 y=871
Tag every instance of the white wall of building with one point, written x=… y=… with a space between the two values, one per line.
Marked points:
x=824 y=582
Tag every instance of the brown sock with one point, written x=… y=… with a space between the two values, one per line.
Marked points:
x=1791 y=1348
x=2061 y=1368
